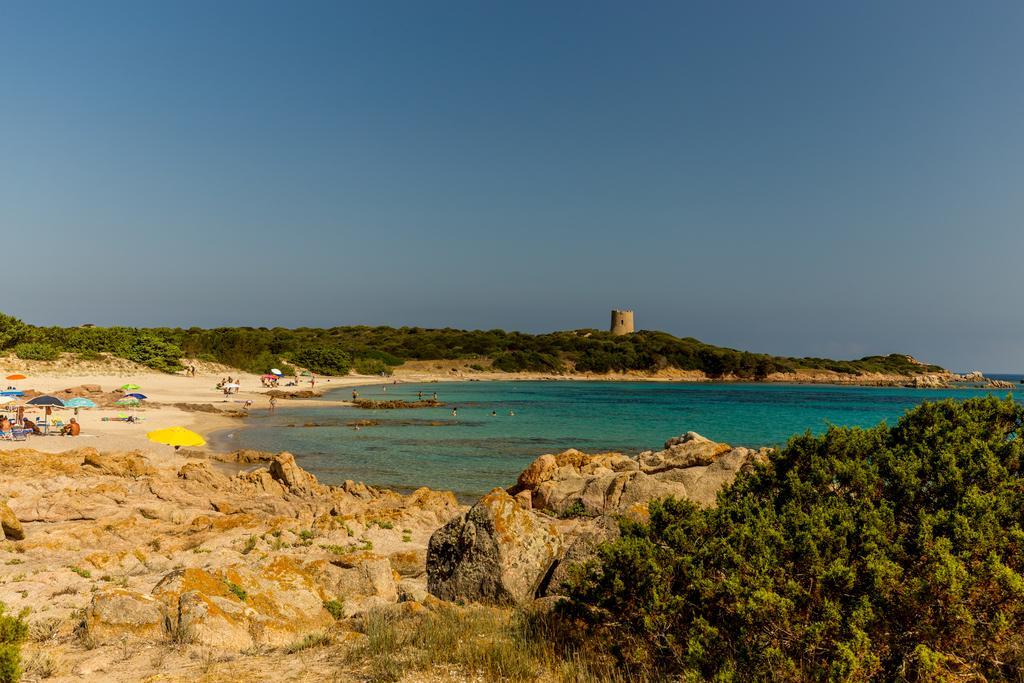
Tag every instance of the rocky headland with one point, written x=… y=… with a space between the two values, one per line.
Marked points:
x=133 y=565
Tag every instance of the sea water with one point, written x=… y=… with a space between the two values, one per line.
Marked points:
x=476 y=451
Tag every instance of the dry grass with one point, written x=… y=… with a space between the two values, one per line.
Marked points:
x=495 y=644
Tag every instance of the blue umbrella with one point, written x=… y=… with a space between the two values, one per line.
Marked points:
x=79 y=403
x=141 y=397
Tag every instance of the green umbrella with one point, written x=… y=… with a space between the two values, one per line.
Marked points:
x=130 y=387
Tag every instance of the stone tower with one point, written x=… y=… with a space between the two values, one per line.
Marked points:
x=622 y=322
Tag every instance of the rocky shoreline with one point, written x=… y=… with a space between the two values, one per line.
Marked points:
x=121 y=555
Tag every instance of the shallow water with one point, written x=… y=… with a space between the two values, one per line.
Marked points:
x=475 y=451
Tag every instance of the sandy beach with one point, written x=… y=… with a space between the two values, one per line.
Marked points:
x=165 y=392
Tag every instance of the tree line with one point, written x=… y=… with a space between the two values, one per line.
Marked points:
x=372 y=350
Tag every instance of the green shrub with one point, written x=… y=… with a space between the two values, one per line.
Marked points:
x=372 y=366
x=336 y=608
x=323 y=360
x=886 y=554
x=89 y=355
x=36 y=351
x=153 y=352
x=12 y=331
x=13 y=632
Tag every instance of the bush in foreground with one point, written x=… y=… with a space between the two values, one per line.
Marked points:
x=880 y=554
x=13 y=631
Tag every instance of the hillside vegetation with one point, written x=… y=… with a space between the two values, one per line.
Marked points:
x=372 y=350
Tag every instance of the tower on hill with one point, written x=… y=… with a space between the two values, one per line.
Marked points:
x=622 y=322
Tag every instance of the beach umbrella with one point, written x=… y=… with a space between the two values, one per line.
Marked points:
x=268 y=376
x=231 y=385
x=79 y=402
x=127 y=401
x=45 y=401
x=12 y=377
x=275 y=371
x=176 y=436
x=4 y=400
x=130 y=387
x=141 y=397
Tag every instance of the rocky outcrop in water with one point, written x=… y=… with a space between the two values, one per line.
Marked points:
x=561 y=508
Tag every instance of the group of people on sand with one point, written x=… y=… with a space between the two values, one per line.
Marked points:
x=229 y=385
x=7 y=427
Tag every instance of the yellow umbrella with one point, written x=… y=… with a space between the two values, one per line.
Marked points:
x=177 y=437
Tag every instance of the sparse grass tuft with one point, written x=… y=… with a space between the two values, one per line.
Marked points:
x=84 y=573
x=250 y=544
x=490 y=643
x=180 y=633
x=311 y=640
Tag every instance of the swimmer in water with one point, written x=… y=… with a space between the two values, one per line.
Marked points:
x=494 y=413
x=511 y=413
x=455 y=412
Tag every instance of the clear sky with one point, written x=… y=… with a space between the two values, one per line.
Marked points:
x=805 y=178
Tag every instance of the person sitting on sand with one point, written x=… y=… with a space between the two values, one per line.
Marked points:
x=29 y=424
x=71 y=429
x=5 y=425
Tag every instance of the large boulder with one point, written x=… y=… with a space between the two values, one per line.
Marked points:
x=498 y=553
x=116 y=464
x=361 y=580
x=285 y=470
x=689 y=450
x=116 y=614
x=241 y=606
x=9 y=524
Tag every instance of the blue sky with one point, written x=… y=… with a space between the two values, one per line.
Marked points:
x=799 y=178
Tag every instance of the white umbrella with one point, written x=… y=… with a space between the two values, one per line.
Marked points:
x=231 y=386
x=4 y=400
x=275 y=371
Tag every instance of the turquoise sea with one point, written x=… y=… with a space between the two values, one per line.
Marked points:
x=475 y=451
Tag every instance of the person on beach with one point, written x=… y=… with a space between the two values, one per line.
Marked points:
x=355 y=394
x=435 y=395
x=29 y=424
x=71 y=429
x=5 y=425
x=273 y=403
x=247 y=405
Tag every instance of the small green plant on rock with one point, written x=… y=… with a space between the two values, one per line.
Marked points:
x=237 y=590
x=336 y=608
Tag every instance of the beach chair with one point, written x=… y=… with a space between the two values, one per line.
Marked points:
x=20 y=434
